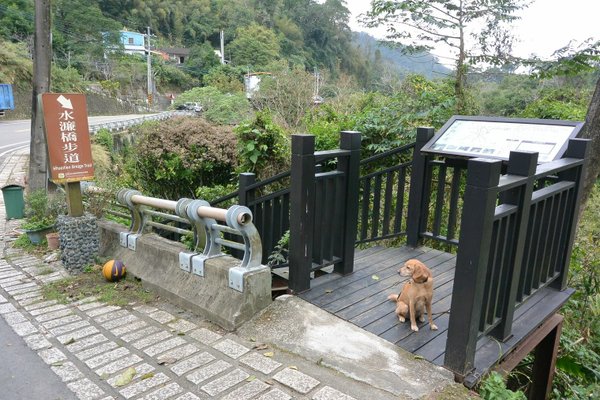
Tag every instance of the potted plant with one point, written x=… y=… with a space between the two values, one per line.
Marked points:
x=41 y=211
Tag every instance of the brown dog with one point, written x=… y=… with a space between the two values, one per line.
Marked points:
x=416 y=294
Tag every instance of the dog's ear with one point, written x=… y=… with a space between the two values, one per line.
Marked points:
x=421 y=273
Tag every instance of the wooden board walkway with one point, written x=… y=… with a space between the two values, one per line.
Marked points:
x=361 y=299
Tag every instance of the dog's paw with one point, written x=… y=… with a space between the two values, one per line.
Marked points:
x=401 y=318
x=422 y=318
x=414 y=328
x=433 y=327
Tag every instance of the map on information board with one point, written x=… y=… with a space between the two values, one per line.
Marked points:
x=497 y=137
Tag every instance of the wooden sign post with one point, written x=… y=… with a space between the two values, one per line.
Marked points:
x=68 y=142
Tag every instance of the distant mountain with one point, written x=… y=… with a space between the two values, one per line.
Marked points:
x=422 y=63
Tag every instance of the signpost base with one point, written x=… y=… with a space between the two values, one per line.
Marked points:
x=74 y=199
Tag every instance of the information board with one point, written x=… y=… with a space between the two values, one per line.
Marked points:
x=67 y=137
x=497 y=137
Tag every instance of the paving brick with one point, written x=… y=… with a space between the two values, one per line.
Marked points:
x=33 y=289
x=192 y=363
x=25 y=296
x=67 y=372
x=182 y=325
x=204 y=373
x=296 y=380
x=130 y=327
x=105 y=358
x=76 y=335
x=61 y=330
x=46 y=310
x=275 y=394
x=140 y=370
x=61 y=321
x=89 y=305
x=260 y=363
x=7 y=308
x=42 y=304
x=14 y=279
x=24 y=328
x=119 y=365
x=164 y=392
x=18 y=285
x=54 y=315
x=178 y=353
x=225 y=382
x=204 y=336
x=30 y=300
x=9 y=274
x=52 y=355
x=102 y=310
x=125 y=320
x=231 y=348
x=139 y=334
x=86 y=342
x=94 y=351
x=145 y=309
x=85 y=389
x=328 y=393
x=248 y=391
x=188 y=396
x=37 y=342
x=111 y=316
x=152 y=339
x=144 y=385
x=164 y=346
x=161 y=316
x=2 y=299
x=14 y=318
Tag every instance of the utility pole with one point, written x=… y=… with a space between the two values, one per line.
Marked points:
x=38 y=155
x=149 y=62
x=222 y=37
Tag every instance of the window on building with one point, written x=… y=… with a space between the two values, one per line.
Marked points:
x=130 y=40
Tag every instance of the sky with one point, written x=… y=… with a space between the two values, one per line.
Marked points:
x=544 y=27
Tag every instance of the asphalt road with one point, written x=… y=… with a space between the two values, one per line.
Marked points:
x=23 y=374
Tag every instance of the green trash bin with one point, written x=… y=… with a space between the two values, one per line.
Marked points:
x=13 y=201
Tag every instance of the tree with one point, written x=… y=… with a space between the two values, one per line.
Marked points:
x=255 y=46
x=420 y=24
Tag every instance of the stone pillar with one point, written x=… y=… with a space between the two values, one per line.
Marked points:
x=79 y=241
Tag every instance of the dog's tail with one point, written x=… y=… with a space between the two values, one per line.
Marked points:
x=393 y=297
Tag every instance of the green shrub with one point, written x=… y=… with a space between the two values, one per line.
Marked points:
x=42 y=209
x=104 y=138
x=173 y=158
x=262 y=146
x=219 y=108
x=494 y=388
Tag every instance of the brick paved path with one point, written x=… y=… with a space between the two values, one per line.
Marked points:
x=90 y=345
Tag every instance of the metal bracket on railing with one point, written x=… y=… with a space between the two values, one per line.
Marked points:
x=240 y=219
x=202 y=226
x=129 y=239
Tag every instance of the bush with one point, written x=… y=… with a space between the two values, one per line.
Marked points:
x=42 y=209
x=219 y=108
x=262 y=146
x=173 y=158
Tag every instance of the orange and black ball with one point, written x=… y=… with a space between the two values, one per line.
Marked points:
x=113 y=270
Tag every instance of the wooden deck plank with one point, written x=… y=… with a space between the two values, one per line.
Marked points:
x=360 y=290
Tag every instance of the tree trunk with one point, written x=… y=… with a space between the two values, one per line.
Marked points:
x=591 y=131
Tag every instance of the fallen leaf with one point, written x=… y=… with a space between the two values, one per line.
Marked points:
x=57 y=364
x=70 y=341
x=104 y=376
x=320 y=361
x=418 y=358
x=293 y=367
x=268 y=354
x=328 y=290
x=180 y=333
x=250 y=378
x=125 y=377
x=261 y=346
x=375 y=277
x=252 y=339
x=269 y=382
x=167 y=361
x=147 y=376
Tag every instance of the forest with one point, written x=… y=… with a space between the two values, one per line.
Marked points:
x=306 y=50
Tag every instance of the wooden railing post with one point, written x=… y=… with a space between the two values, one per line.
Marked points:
x=521 y=164
x=245 y=196
x=577 y=148
x=302 y=212
x=480 y=197
x=417 y=188
x=349 y=140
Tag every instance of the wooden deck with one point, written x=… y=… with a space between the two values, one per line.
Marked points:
x=361 y=299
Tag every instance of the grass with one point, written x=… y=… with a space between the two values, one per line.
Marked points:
x=92 y=283
x=39 y=250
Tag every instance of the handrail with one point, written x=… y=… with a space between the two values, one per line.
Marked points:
x=387 y=153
